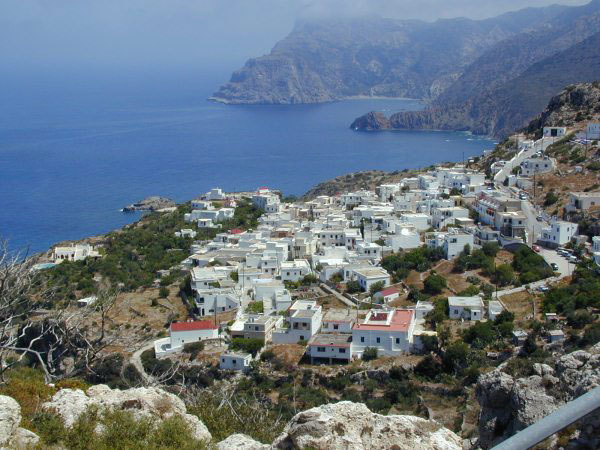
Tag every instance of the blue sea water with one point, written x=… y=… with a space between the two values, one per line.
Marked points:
x=77 y=147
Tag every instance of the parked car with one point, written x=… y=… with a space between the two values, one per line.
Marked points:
x=536 y=248
x=554 y=266
x=543 y=288
x=573 y=259
x=539 y=219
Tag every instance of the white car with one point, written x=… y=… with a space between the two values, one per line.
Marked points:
x=543 y=288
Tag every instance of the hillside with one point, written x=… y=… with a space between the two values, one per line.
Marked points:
x=327 y=60
x=504 y=88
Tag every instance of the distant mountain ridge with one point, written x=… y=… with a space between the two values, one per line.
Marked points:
x=327 y=60
x=506 y=86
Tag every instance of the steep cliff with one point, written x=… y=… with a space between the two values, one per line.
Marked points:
x=325 y=60
x=512 y=81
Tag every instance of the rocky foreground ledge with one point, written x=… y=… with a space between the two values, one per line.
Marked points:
x=333 y=426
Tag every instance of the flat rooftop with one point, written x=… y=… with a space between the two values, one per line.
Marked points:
x=339 y=315
x=331 y=340
x=465 y=301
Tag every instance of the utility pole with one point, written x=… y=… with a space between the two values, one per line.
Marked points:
x=496 y=278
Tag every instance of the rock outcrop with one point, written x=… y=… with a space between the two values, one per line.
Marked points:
x=569 y=106
x=511 y=404
x=70 y=404
x=150 y=204
x=241 y=442
x=11 y=435
x=347 y=425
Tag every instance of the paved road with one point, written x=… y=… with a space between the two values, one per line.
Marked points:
x=539 y=145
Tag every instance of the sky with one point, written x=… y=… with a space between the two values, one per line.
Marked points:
x=188 y=33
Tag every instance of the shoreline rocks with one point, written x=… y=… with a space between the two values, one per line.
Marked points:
x=153 y=203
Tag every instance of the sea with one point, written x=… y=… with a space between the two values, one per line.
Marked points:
x=77 y=146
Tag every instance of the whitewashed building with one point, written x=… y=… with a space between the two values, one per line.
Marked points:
x=468 y=308
x=558 y=233
x=237 y=361
x=389 y=331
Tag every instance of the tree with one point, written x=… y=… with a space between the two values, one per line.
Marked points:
x=434 y=284
x=490 y=249
x=370 y=353
x=352 y=287
x=376 y=287
x=163 y=292
x=504 y=274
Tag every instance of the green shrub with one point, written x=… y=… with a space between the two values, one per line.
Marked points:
x=434 y=284
x=247 y=345
x=370 y=353
x=353 y=287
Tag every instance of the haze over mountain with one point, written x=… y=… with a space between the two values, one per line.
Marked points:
x=464 y=68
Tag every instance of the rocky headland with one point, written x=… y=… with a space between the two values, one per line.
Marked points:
x=153 y=203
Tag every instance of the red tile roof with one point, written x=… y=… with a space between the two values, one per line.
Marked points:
x=389 y=291
x=193 y=326
x=236 y=231
x=401 y=321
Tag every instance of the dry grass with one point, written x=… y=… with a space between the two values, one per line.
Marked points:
x=289 y=354
x=520 y=304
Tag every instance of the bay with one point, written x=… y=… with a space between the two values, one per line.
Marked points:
x=76 y=146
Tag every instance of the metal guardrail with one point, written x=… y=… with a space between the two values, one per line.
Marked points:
x=555 y=422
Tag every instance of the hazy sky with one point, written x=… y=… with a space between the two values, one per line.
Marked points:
x=132 y=33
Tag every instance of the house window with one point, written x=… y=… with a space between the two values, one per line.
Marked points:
x=362 y=339
x=321 y=349
x=301 y=338
x=378 y=340
x=397 y=340
x=234 y=362
x=336 y=326
x=342 y=350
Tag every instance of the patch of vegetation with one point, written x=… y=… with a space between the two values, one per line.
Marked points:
x=434 y=283
x=531 y=266
x=120 y=430
x=419 y=259
x=256 y=307
x=247 y=345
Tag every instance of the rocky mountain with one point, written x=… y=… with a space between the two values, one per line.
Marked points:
x=325 y=60
x=511 y=403
x=576 y=102
x=509 y=83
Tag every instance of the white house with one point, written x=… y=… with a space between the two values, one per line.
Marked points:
x=338 y=321
x=389 y=331
x=304 y=321
x=593 y=131
x=422 y=309
x=255 y=326
x=220 y=300
x=386 y=295
x=583 y=201
x=596 y=248
x=469 y=308
x=452 y=242
x=369 y=250
x=556 y=132
x=237 y=361
x=368 y=277
x=558 y=233
x=215 y=194
x=330 y=347
x=537 y=165
x=442 y=217
x=77 y=252
x=405 y=237
x=266 y=201
x=294 y=270
x=182 y=333
x=494 y=309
